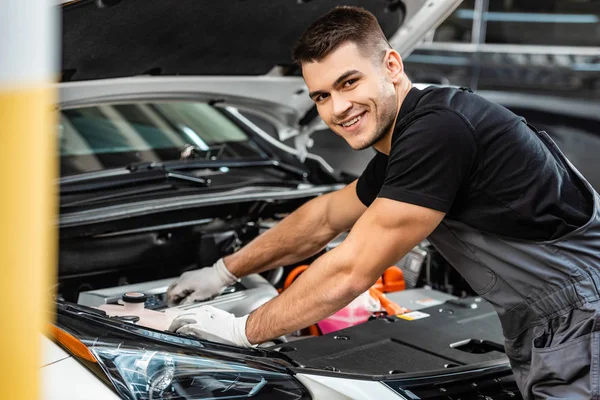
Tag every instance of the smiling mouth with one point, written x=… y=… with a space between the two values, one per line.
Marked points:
x=353 y=121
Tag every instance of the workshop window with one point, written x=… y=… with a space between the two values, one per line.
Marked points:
x=543 y=22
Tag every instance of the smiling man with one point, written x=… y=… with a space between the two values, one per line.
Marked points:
x=358 y=106
x=496 y=197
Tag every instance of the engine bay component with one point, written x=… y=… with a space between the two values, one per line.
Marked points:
x=416 y=299
x=392 y=280
x=134 y=312
x=241 y=299
x=412 y=265
x=391 y=307
x=357 y=312
x=134 y=297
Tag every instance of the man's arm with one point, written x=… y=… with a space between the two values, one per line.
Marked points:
x=387 y=231
x=301 y=234
x=297 y=237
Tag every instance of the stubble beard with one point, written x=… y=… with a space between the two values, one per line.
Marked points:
x=384 y=121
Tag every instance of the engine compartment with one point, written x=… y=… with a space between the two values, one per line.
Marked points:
x=164 y=251
x=97 y=269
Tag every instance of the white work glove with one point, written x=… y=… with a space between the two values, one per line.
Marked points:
x=200 y=284
x=210 y=323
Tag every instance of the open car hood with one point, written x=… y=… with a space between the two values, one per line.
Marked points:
x=121 y=38
x=145 y=49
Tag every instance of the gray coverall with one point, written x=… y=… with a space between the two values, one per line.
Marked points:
x=546 y=295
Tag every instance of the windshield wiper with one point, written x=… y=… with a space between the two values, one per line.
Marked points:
x=128 y=180
x=198 y=164
x=233 y=188
x=176 y=165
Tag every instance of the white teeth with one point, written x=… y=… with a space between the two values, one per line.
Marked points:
x=352 y=121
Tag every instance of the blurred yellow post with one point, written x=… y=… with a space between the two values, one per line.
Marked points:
x=28 y=54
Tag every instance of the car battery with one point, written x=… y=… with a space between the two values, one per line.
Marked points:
x=416 y=299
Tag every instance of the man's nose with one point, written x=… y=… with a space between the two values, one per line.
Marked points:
x=340 y=105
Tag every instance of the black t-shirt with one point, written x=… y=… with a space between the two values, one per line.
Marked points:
x=479 y=163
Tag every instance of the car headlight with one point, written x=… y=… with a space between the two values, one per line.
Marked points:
x=148 y=374
x=144 y=364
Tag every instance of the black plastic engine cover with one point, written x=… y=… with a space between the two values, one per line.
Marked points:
x=452 y=334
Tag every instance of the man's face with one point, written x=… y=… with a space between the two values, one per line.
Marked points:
x=354 y=94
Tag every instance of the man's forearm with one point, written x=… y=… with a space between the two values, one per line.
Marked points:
x=328 y=285
x=297 y=237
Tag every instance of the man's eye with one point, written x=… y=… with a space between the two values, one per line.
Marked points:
x=321 y=97
x=349 y=82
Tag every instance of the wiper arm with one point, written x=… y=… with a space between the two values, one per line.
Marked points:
x=198 y=164
x=144 y=166
x=128 y=180
x=204 y=182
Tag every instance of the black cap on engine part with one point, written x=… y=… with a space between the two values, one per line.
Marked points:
x=134 y=297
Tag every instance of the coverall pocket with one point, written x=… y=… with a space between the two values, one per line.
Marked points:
x=566 y=371
x=565 y=361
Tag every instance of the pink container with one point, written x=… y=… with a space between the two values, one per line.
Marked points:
x=354 y=313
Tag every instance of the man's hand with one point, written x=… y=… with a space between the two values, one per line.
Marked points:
x=213 y=324
x=200 y=284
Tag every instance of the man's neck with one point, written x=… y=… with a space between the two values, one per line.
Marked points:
x=385 y=144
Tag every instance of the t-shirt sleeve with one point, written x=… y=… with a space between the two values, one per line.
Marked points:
x=430 y=161
x=370 y=181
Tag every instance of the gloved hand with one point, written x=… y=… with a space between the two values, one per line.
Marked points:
x=200 y=284
x=210 y=323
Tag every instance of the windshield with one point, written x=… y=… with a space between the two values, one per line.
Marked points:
x=116 y=135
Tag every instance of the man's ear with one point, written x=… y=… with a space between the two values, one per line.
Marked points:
x=393 y=65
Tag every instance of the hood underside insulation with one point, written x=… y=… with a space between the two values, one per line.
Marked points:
x=191 y=37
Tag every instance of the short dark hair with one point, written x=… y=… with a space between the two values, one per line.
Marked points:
x=340 y=25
